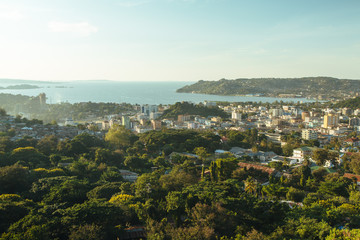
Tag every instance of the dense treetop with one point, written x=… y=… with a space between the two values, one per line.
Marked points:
x=186 y=108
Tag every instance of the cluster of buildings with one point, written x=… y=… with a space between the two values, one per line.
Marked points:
x=320 y=125
x=37 y=131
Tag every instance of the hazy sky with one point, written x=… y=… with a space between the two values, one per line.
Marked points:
x=178 y=40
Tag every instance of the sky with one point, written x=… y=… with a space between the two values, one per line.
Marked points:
x=178 y=40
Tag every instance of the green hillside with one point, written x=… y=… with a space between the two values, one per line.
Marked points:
x=306 y=87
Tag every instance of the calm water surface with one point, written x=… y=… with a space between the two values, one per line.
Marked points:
x=129 y=92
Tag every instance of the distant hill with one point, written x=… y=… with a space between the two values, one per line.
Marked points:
x=22 y=81
x=21 y=86
x=305 y=87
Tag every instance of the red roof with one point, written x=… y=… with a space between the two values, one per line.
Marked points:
x=352 y=140
x=351 y=176
x=256 y=166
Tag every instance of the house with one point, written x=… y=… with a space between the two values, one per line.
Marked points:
x=128 y=175
x=291 y=160
x=270 y=171
x=354 y=177
x=300 y=153
x=354 y=142
x=133 y=233
x=237 y=151
x=221 y=153
x=266 y=156
x=183 y=154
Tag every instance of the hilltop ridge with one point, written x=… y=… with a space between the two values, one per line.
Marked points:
x=311 y=87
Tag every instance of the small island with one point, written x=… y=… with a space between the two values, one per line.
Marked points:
x=21 y=86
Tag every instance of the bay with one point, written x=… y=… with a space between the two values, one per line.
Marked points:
x=129 y=92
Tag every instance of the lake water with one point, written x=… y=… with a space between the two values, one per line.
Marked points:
x=129 y=92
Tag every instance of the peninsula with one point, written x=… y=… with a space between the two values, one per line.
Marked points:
x=325 y=88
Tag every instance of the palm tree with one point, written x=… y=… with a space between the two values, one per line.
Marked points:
x=251 y=185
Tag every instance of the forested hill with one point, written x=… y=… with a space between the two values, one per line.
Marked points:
x=186 y=108
x=307 y=86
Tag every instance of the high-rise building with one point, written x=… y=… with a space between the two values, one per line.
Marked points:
x=42 y=97
x=309 y=134
x=331 y=120
x=147 y=109
x=304 y=115
x=156 y=124
x=276 y=112
x=236 y=115
x=125 y=121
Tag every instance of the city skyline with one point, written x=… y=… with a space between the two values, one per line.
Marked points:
x=178 y=40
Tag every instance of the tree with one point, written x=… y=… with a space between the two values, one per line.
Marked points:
x=104 y=191
x=343 y=234
x=29 y=156
x=119 y=137
x=5 y=144
x=99 y=213
x=319 y=174
x=320 y=156
x=12 y=209
x=274 y=191
x=177 y=180
x=26 y=141
x=303 y=228
x=355 y=163
x=147 y=185
x=2 y=112
x=135 y=162
x=295 y=195
x=288 y=149
x=47 y=144
x=87 y=231
x=251 y=186
x=14 y=179
x=202 y=153
x=88 y=140
x=71 y=191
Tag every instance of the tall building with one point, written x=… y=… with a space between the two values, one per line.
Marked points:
x=183 y=118
x=125 y=121
x=236 y=115
x=156 y=124
x=309 y=134
x=331 y=120
x=147 y=109
x=354 y=122
x=276 y=112
x=42 y=97
x=304 y=115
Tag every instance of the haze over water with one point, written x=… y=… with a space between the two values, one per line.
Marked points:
x=129 y=92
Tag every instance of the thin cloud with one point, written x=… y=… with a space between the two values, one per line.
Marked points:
x=135 y=3
x=132 y=3
x=12 y=15
x=81 y=28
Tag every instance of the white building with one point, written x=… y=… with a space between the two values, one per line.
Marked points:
x=236 y=115
x=128 y=175
x=309 y=134
x=276 y=112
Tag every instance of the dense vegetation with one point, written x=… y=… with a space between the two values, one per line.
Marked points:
x=59 y=112
x=186 y=108
x=331 y=87
x=72 y=189
x=353 y=103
